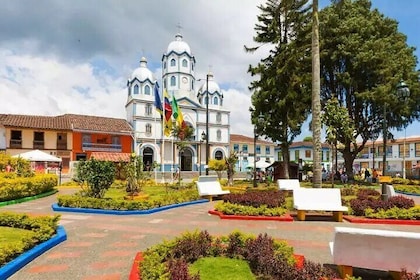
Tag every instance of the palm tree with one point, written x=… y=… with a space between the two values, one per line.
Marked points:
x=316 y=99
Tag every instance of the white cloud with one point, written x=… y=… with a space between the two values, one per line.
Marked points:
x=45 y=86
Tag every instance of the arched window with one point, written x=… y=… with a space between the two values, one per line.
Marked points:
x=219 y=135
x=173 y=62
x=173 y=81
x=164 y=65
x=136 y=89
x=206 y=100
x=148 y=129
x=184 y=63
x=215 y=101
x=218 y=117
x=218 y=155
x=221 y=102
x=147 y=90
x=192 y=66
x=192 y=84
x=164 y=83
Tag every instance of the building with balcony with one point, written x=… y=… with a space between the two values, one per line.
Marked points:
x=303 y=150
x=244 y=147
x=69 y=137
x=399 y=153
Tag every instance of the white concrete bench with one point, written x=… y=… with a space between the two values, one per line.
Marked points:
x=375 y=249
x=390 y=190
x=209 y=186
x=288 y=184
x=316 y=199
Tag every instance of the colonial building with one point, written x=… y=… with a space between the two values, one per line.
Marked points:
x=247 y=153
x=69 y=137
x=304 y=150
x=180 y=83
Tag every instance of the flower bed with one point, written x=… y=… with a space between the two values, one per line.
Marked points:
x=265 y=256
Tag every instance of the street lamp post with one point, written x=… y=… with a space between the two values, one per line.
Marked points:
x=403 y=167
x=402 y=92
x=207 y=124
x=203 y=137
x=260 y=120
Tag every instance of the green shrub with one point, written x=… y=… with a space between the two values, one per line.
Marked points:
x=408 y=189
x=96 y=176
x=228 y=208
x=20 y=187
x=44 y=227
x=394 y=213
x=79 y=201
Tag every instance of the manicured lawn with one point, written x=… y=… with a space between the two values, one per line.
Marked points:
x=149 y=190
x=215 y=268
x=10 y=235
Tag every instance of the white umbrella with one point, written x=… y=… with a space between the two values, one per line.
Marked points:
x=259 y=164
x=37 y=155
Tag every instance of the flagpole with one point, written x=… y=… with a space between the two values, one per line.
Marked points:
x=155 y=169
x=162 y=160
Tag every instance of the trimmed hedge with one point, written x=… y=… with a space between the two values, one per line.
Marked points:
x=20 y=187
x=44 y=227
x=173 y=197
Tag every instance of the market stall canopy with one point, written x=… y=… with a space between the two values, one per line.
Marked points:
x=37 y=155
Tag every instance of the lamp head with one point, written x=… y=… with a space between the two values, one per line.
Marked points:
x=402 y=90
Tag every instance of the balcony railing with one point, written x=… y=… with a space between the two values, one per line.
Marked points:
x=101 y=147
x=14 y=143
x=61 y=145
x=37 y=144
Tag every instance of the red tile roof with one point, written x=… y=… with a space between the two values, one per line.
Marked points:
x=308 y=144
x=36 y=122
x=66 y=122
x=237 y=138
x=114 y=157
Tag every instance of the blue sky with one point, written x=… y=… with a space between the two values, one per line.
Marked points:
x=75 y=56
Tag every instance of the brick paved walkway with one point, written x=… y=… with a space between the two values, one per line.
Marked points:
x=102 y=247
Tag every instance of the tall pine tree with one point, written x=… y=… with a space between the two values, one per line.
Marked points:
x=282 y=90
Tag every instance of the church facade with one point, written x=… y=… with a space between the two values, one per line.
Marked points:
x=192 y=94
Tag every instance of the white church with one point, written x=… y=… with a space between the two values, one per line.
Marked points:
x=178 y=79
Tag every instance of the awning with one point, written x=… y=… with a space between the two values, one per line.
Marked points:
x=109 y=156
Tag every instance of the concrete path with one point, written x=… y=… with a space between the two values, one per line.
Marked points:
x=103 y=246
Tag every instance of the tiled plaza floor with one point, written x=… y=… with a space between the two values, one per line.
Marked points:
x=102 y=247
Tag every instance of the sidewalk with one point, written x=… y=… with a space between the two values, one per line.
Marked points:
x=104 y=246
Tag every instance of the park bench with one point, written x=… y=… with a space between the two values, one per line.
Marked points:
x=209 y=186
x=316 y=199
x=375 y=249
x=288 y=184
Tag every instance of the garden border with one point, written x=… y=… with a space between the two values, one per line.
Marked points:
x=16 y=264
x=357 y=220
x=284 y=218
x=28 y=198
x=57 y=208
x=407 y=193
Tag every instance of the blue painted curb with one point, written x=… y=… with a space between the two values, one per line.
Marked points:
x=407 y=193
x=55 y=207
x=14 y=265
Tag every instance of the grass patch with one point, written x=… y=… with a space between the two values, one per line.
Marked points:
x=215 y=268
x=10 y=235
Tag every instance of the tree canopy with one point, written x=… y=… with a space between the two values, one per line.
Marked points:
x=363 y=57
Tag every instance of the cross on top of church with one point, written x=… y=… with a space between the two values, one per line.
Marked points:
x=179 y=27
